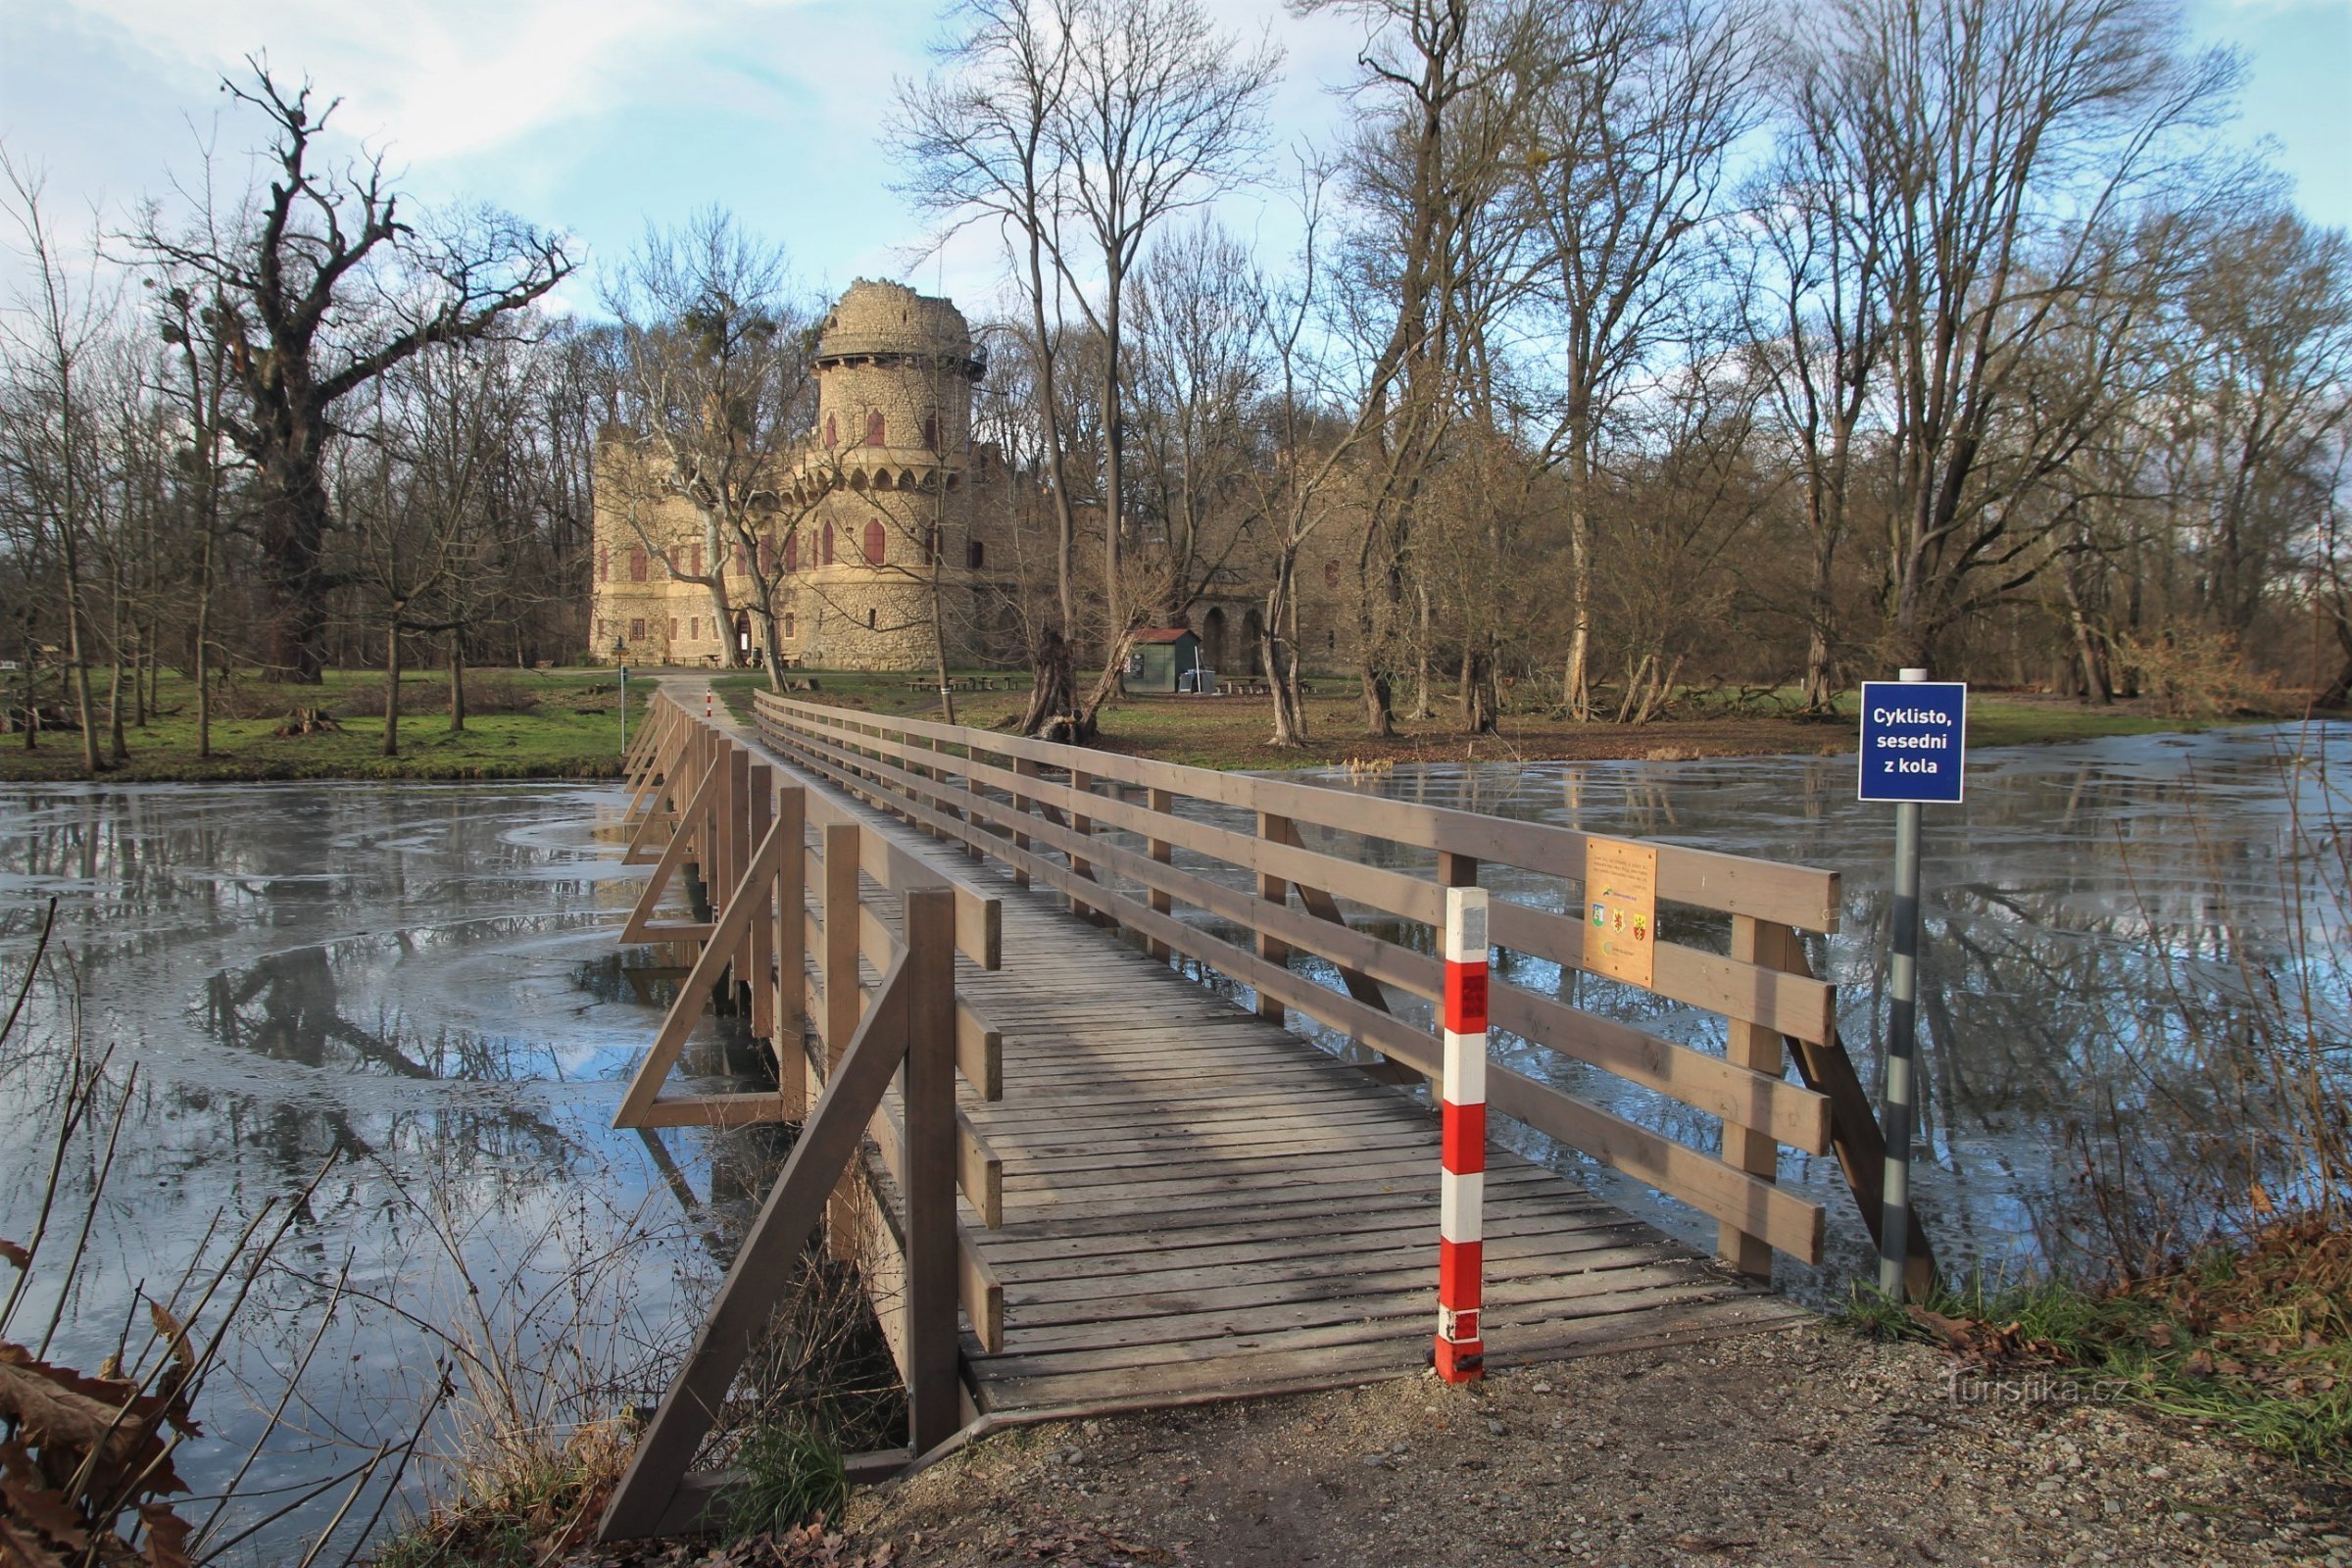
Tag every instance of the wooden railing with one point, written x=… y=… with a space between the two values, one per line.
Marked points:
x=1041 y=809
x=792 y=901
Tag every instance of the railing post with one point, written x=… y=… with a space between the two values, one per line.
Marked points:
x=971 y=819
x=791 y=943
x=1026 y=768
x=842 y=1000
x=933 y=1356
x=1084 y=784
x=1758 y=1049
x=760 y=944
x=1272 y=829
x=1162 y=803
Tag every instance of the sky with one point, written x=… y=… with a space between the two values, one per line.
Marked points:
x=600 y=116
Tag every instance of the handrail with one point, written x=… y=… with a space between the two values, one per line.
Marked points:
x=751 y=850
x=992 y=793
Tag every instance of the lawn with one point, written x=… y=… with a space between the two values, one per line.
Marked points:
x=526 y=724
x=1233 y=732
x=563 y=725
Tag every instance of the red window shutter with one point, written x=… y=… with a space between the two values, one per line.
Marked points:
x=829 y=556
x=603 y=570
x=832 y=432
x=792 y=551
x=875 y=544
x=875 y=431
x=636 y=565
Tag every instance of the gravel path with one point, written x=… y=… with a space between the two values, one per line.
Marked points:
x=1781 y=1449
x=1791 y=1447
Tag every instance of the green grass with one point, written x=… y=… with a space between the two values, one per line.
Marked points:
x=792 y=1473
x=2255 y=1337
x=568 y=727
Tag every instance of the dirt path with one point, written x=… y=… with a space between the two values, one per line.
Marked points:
x=1795 y=1447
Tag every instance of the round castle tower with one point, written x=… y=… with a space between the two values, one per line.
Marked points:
x=895 y=373
x=891 y=498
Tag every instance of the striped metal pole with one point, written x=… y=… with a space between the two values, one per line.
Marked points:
x=1461 y=1355
x=707 y=714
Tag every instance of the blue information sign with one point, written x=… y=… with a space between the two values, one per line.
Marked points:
x=1913 y=740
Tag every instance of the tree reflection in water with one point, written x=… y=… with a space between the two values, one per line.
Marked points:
x=423 y=979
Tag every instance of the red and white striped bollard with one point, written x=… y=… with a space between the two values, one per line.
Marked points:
x=707 y=701
x=1461 y=1355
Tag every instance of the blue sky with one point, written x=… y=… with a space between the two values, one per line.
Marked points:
x=599 y=116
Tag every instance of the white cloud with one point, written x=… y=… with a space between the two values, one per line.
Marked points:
x=438 y=78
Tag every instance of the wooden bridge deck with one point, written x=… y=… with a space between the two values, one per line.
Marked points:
x=1198 y=1204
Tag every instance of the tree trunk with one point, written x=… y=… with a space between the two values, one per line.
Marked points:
x=457 y=682
x=392 y=690
x=1050 y=717
x=1421 y=662
x=116 y=752
x=1278 y=654
x=204 y=617
x=82 y=673
x=1575 y=681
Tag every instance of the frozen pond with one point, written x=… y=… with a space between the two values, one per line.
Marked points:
x=2103 y=920
x=421 y=982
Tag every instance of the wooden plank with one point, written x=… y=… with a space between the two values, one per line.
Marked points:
x=693 y=995
x=1755 y=1046
x=1799 y=895
x=673 y=855
x=928 y=973
x=759 y=1274
x=1793 y=1115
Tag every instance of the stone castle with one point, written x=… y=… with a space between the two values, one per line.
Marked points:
x=894 y=504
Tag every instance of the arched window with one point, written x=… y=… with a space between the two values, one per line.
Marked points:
x=792 y=551
x=875 y=544
x=693 y=558
x=931 y=429
x=832 y=432
x=767 y=558
x=875 y=431
x=827 y=559
x=869 y=620
x=789 y=625
x=636 y=565
x=975 y=554
x=930 y=547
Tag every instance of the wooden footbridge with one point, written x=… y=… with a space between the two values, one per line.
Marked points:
x=1067 y=1138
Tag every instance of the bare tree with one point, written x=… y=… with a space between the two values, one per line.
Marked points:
x=2000 y=139
x=323 y=288
x=1428 y=174
x=1626 y=149
x=1080 y=126
x=717 y=391
x=52 y=449
x=977 y=141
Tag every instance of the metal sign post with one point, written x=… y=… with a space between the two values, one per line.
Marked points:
x=624 y=709
x=1914 y=748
